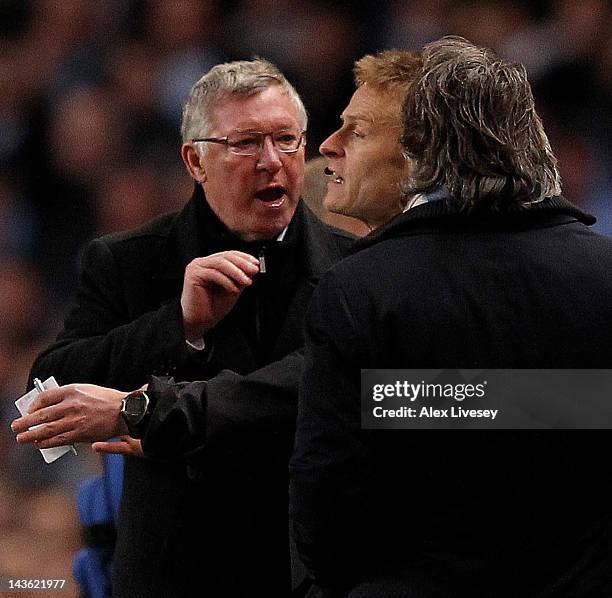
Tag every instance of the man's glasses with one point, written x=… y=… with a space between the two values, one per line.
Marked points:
x=251 y=143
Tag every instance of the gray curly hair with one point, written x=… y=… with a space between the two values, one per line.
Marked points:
x=470 y=125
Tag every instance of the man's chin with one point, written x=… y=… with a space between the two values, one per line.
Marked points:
x=268 y=228
x=336 y=205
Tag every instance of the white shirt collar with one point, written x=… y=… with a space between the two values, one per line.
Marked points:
x=417 y=200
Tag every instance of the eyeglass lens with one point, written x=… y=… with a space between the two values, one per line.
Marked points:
x=250 y=143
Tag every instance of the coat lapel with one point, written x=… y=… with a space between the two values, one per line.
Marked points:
x=184 y=241
x=187 y=240
x=319 y=252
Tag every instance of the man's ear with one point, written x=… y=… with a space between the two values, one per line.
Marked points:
x=191 y=158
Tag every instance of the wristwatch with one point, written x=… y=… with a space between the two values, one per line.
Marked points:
x=135 y=412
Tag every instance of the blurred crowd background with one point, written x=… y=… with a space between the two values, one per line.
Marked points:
x=90 y=102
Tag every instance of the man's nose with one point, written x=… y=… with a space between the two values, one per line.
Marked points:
x=331 y=147
x=269 y=156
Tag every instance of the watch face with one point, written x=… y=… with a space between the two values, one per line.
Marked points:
x=135 y=406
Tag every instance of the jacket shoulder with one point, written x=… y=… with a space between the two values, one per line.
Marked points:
x=342 y=237
x=157 y=228
x=136 y=254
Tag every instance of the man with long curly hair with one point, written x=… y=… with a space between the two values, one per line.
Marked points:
x=488 y=267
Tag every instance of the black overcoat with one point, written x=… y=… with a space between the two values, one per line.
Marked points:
x=479 y=513
x=205 y=513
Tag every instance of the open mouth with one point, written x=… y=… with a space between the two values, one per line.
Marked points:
x=272 y=196
x=337 y=179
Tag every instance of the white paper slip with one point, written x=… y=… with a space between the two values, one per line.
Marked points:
x=23 y=404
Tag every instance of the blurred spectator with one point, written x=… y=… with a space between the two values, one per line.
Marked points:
x=183 y=37
x=172 y=185
x=39 y=536
x=18 y=222
x=132 y=75
x=85 y=135
x=491 y=23
x=410 y=25
x=314 y=43
x=22 y=302
x=84 y=140
x=126 y=199
x=38 y=520
x=26 y=322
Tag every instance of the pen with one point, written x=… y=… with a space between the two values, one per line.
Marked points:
x=262 y=261
x=40 y=388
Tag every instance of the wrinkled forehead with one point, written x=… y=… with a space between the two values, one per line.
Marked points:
x=266 y=109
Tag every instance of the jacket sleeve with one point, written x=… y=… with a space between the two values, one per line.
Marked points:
x=229 y=410
x=331 y=465
x=101 y=343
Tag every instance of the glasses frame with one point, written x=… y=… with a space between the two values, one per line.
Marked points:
x=224 y=141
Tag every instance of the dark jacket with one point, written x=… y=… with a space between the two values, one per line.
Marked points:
x=479 y=513
x=209 y=518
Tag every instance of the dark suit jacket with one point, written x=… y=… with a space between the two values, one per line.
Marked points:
x=213 y=520
x=477 y=513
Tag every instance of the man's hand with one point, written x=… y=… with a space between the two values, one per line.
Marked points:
x=72 y=413
x=211 y=287
x=126 y=445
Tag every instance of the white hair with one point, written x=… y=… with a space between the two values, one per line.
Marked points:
x=243 y=77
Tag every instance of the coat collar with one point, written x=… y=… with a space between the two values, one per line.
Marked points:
x=182 y=244
x=196 y=231
x=320 y=247
x=438 y=216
